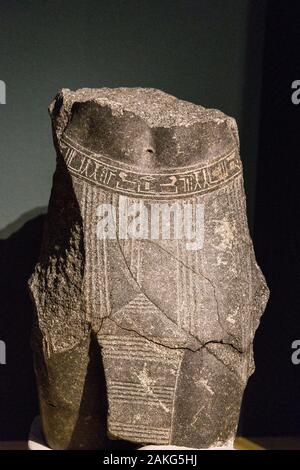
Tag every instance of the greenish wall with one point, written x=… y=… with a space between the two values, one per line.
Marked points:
x=196 y=50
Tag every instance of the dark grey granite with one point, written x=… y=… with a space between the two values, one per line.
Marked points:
x=143 y=340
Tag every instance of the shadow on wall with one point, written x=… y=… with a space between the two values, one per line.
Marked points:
x=18 y=256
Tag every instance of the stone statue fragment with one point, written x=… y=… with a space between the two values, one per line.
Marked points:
x=147 y=292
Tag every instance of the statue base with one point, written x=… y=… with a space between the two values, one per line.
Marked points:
x=36 y=441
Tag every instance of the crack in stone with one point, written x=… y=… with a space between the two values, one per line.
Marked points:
x=150 y=300
x=186 y=348
x=183 y=348
x=197 y=273
x=204 y=345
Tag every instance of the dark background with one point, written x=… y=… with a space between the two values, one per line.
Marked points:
x=236 y=55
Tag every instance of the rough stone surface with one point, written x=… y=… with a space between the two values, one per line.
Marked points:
x=141 y=340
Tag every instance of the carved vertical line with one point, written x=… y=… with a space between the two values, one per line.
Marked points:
x=200 y=268
x=190 y=291
x=197 y=306
x=99 y=262
x=192 y=257
x=194 y=266
x=181 y=287
x=93 y=265
x=131 y=249
x=174 y=397
x=87 y=249
x=91 y=251
x=138 y=248
x=178 y=286
x=185 y=286
x=117 y=207
x=138 y=262
x=106 y=280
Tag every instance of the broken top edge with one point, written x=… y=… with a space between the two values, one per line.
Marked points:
x=156 y=107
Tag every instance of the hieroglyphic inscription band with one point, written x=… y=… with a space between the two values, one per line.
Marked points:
x=188 y=181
